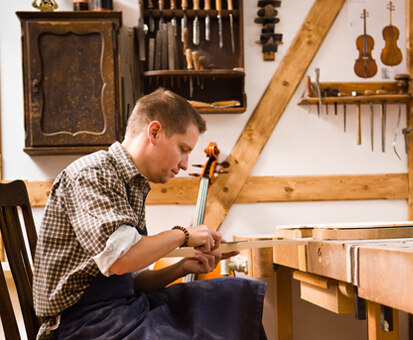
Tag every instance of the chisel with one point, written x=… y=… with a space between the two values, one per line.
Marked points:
x=218 y=5
x=184 y=20
x=231 y=24
x=343 y=94
x=195 y=27
x=151 y=19
x=207 y=8
x=358 y=117
x=189 y=66
x=141 y=33
x=161 y=20
x=371 y=104
x=173 y=20
x=317 y=83
x=383 y=120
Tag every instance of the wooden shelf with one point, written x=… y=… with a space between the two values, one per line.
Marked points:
x=376 y=99
x=197 y=73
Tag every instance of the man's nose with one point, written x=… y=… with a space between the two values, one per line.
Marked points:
x=183 y=164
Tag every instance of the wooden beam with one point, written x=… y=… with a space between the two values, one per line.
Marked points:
x=184 y=190
x=409 y=113
x=260 y=126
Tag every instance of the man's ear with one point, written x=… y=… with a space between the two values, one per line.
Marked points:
x=154 y=131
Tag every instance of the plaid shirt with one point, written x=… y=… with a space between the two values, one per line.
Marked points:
x=88 y=201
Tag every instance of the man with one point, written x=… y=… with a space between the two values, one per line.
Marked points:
x=91 y=277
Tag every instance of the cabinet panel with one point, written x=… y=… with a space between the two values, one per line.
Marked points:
x=71 y=76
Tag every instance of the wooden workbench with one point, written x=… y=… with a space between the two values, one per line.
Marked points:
x=337 y=266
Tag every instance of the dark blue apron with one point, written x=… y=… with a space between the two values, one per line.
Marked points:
x=110 y=309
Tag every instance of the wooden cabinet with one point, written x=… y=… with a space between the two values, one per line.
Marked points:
x=71 y=76
x=167 y=65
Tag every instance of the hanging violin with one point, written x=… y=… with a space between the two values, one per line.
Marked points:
x=365 y=66
x=207 y=176
x=391 y=55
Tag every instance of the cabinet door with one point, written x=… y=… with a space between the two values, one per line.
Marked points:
x=71 y=91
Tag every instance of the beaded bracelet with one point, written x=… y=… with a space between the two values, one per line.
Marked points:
x=185 y=244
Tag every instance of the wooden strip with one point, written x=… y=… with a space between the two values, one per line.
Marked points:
x=266 y=115
x=386 y=276
x=362 y=234
x=312 y=279
x=323 y=188
x=238 y=246
x=184 y=190
x=283 y=303
x=374 y=323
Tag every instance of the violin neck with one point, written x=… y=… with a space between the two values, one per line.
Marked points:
x=365 y=35
x=201 y=202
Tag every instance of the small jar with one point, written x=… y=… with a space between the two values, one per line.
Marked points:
x=80 y=5
x=102 y=5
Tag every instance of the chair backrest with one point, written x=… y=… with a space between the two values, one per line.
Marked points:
x=14 y=198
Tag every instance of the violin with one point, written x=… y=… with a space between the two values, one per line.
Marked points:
x=365 y=66
x=207 y=176
x=391 y=55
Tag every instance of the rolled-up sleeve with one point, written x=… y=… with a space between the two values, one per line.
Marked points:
x=117 y=245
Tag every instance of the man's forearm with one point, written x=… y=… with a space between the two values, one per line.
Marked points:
x=157 y=279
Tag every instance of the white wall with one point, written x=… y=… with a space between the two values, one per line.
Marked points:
x=301 y=144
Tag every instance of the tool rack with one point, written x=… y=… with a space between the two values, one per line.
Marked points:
x=223 y=77
x=393 y=96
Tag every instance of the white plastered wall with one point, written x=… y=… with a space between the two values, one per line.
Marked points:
x=301 y=144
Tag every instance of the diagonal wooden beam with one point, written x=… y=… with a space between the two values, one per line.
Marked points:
x=266 y=115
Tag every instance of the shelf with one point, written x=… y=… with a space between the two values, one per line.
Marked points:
x=197 y=73
x=376 y=99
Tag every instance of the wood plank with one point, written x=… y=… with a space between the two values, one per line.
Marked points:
x=184 y=190
x=323 y=188
x=374 y=324
x=238 y=246
x=362 y=234
x=266 y=115
x=395 y=264
x=283 y=303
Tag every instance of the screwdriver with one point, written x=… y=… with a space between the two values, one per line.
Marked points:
x=343 y=94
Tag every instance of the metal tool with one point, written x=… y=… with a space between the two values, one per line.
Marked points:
x=184 y=20
x=151 y=19
x=218 y=5
x=158 y=50
x=371 y=104
x=372 y=125
x=173 y=20
x=207 y=8
x=142 y=29
x=358 y=117
x=231 y=24
x=317 y=83
x=383 y=126
x=343 y=94
x=220 y=104
x=326 y=94
x=161 y=19
x=171 y=47
x=396 y=132
x=334 y=93
x=189 y=66
x=195 y=24
x=164 y=46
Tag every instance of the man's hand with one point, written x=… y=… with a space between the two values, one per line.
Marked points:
x=204 y=238
x=205 y=262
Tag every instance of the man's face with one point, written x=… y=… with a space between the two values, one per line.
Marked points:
x=171 y=154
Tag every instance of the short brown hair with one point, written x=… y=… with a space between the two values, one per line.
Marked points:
x=171 y=110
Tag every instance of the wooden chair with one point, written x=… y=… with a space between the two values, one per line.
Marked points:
x=14 y=198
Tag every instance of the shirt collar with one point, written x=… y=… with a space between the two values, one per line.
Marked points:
x=125 y=164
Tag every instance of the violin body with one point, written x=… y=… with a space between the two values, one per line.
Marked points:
x=391 y=54
x=365 y=66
